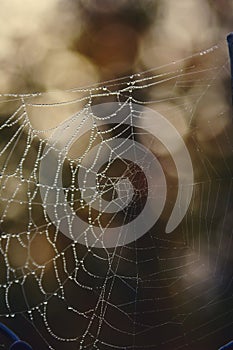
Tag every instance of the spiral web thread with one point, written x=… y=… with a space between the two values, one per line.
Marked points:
x=162 y=291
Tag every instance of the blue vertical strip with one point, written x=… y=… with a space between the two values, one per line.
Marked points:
x=230 y=46
x=17 y=343
x=228 y=346
x=8 y=332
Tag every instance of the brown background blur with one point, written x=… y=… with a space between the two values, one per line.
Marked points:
x=55 y=44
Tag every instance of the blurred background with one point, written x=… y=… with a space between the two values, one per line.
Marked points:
x=64 y=46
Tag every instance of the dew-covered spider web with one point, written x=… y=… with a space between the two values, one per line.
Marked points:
x=116 y=211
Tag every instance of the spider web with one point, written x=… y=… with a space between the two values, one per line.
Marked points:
x=160 y=290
